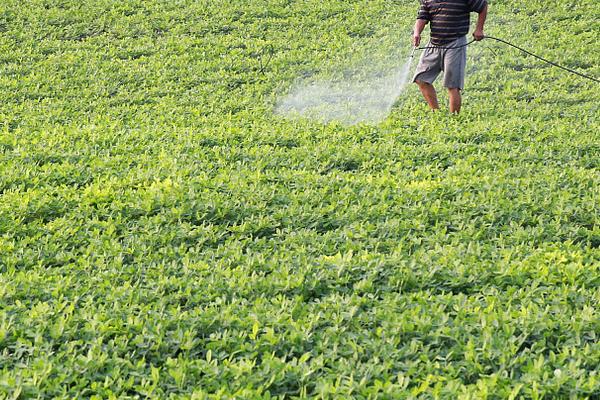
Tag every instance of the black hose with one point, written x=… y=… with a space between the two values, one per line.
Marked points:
x=445 y=48
x=518 y=48
x=544 y=60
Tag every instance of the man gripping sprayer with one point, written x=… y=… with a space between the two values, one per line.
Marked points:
x=447 y=50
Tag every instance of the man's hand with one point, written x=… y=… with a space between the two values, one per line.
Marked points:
x=416 y=39
x=478 y=34
x=419 y=26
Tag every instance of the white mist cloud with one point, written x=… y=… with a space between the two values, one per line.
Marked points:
x=363 y=96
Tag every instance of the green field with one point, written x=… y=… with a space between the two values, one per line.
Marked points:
x=164 y=234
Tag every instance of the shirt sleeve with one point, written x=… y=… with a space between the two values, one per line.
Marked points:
x=424 y=11
x=477 y=5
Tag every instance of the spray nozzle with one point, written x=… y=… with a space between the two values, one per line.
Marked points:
x=413 y=51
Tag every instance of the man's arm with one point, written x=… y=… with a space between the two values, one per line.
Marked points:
x=423 y=17
x=419 y=26
x=478 y=34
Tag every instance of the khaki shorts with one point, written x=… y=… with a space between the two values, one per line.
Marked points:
x=452 y=61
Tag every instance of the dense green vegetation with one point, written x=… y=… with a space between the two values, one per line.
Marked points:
x=163 y=234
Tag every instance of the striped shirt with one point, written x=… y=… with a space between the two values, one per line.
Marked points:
x=449 y=19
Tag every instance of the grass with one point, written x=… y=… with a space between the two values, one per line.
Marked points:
x=164 y=235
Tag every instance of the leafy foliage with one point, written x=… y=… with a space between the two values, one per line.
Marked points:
x=163 y=234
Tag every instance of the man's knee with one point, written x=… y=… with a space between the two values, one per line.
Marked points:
x=454 y=92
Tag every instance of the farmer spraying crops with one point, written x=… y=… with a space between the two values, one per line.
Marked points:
x=447 y=49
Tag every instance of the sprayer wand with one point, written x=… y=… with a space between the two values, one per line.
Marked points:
x=413 y=52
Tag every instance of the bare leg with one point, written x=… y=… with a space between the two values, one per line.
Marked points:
x=429 y=94
x=455 y=100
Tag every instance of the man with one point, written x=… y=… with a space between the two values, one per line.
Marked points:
x=450 y=22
